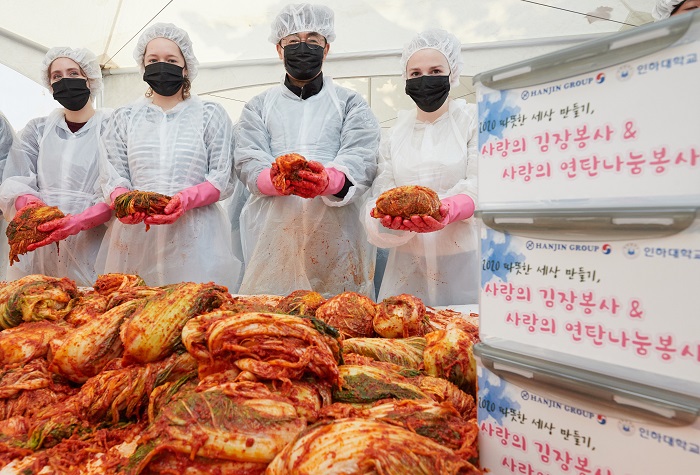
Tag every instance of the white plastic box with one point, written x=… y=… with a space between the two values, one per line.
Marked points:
x=532 y=429
x=589 y=191
x=589 y=199
x=628 y=308
x=610 y=124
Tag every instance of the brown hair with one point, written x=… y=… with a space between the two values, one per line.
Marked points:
x=675 y=9
x=186 y=86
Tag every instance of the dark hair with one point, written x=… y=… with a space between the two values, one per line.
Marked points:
x=675 y=9
x=186 y=86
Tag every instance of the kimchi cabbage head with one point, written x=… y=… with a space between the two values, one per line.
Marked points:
x=34 y=298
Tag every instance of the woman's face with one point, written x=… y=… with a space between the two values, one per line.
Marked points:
x=164 y=50
x=65 y=68
x=427 y=62
x=687 y=6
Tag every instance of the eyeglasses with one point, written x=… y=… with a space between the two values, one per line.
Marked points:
x=294 y=42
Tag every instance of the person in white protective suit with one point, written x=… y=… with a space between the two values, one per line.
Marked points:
x=55 y=162
x=668 y=8
x=307 y=236
x=7 y=137
x=434 y=145
x=174 y=143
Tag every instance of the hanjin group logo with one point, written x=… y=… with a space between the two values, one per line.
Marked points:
x=600 y=78
x=624 y=73
x=524 y=95
x=606 y=248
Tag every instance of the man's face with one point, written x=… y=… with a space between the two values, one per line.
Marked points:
x=311 y=38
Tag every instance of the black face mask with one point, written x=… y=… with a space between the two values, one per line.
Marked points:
x=303 y=62
x=428 y=92
x=71 y=93
x=164 y=78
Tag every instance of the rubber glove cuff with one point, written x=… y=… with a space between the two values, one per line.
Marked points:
x=70 y=225
x=336 y=181
x=94 y=216
x=199 y=195
x=24 y=200
x=265 y=185
x=117 y=192
x=459 y=207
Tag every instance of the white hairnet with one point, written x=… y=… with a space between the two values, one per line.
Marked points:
x=663 y=8
x=85 y=59
x=295 y=18
x=440 y=40
x=174 y=34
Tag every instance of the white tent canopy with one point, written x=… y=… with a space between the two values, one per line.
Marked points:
x=230 y=39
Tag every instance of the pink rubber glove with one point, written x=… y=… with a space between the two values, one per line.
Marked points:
x=117 y=192
x=460 y=207
x=453 y=208
x=336 y=181
x=390 y=222
x=427 y=224
x=317 y=181
x=196 y=196
x=265 y=185
x=69 y=225
x=133 y=218
x=28 y=200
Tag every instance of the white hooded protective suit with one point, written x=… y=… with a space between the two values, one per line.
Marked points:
x=7 y=137
x=149 y=149
x=61 y=168
x=441 y=268
x=292 y=243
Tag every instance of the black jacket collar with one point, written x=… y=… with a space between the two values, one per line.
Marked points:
x=309 y=90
